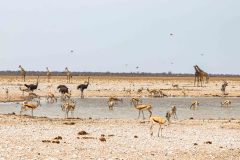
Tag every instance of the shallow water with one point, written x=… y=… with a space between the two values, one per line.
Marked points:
x=98 y=108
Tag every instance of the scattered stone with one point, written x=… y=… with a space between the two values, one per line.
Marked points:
x=56 y=141
x=135 y=136
x=208 y=142
x=110 y=135
x=88 y=138
x=58 y=138
x=102 y=139
x=191 y=118
x=46 y=141
x=69 y=123
x=82 y=133
x=90 y=118
x=195 y=144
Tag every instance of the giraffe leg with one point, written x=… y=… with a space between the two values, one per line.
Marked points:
x=195 y=80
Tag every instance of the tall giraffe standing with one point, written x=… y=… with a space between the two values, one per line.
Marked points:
x=203 y=74
x=48 y=74
x=197 y=76
x=23 y=72
x=69 y=75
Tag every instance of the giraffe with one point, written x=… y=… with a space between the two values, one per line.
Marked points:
x=197 y=76
x=23 y=72
x=69 y=75
x=203 y=74
x=48 y=74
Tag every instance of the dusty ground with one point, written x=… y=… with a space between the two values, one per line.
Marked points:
x=118 y=86
x=32 y=138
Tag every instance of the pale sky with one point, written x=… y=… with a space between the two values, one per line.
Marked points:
x=118 y=35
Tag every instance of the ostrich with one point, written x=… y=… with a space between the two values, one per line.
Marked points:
x=32 y=87
x=29 y=105
x=62 y=89
x=83 y=86
x=159 y=120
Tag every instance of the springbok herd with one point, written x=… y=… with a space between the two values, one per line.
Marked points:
x=68 y=104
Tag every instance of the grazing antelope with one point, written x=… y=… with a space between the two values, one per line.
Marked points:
x=128 y=91
x=142 y=107
x=115 y=99
x=168 y=116
x=155 y=93
x=226 y=103
x=67 y=107
x=111 y=104
x=223 y=88
x=172 y=112
x=194 y=105
x=32 y=96
x=139 y=91
x=135 y=100
x=67 y=96
x=156 y=120
x=29 y=105
x=51 y=98
x=175 y=86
